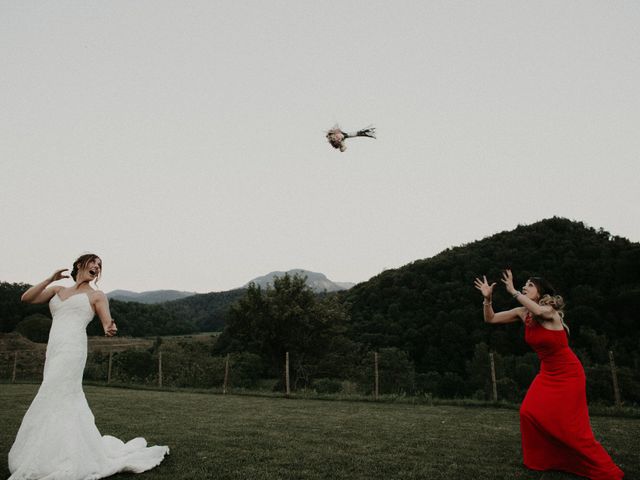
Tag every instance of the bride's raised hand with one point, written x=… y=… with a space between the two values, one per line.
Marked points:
x=484 y=287
x=58 y=275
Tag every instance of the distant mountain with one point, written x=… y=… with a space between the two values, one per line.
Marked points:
x=317 y=281
x=153 y=296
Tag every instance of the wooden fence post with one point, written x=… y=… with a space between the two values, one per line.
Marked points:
x=226 y=375
x=160 y=369
x=286 y=375
x=493 y=377
x=109 y=371
x=15 y=363
x=376 y=390
x=614 y=377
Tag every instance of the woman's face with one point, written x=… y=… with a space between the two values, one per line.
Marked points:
x=92 y=270
x=531 y=291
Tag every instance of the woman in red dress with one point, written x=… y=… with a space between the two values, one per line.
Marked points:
x=554 y=419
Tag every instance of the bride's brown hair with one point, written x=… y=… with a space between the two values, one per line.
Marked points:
x=82 y=261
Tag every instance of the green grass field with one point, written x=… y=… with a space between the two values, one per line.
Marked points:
x=245 y=437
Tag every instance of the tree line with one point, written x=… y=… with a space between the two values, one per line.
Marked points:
x=197 y=313
x=430 y=310
x=424 y=319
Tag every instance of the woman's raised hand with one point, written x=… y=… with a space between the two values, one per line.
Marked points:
x=484 y=287
x=507 y=279
x=58 y=275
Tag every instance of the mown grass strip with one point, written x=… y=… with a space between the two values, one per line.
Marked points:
x=247 y=437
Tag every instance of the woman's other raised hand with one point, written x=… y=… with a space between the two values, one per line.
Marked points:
x=507 y=279
x=484 y=287
x=58 y=275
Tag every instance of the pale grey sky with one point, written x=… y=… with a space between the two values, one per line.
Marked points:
x=184 y=141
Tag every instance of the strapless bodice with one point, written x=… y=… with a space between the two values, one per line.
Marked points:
x=70 y=320
x=552 y=348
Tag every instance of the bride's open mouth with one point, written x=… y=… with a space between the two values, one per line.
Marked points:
x=92 y=273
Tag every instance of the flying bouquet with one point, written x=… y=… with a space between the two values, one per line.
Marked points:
x=337 y=137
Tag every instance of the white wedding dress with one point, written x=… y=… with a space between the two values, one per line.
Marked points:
x=58 y=438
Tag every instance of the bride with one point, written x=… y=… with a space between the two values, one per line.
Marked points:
x=58 y=438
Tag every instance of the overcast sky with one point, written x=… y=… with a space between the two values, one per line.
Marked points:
x=184 y=141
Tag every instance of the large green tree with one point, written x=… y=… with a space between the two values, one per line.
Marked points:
x=290 y=317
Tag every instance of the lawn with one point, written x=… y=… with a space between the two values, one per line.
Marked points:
x=245 y=437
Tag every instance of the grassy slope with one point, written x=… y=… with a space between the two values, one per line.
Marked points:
x=242 y=437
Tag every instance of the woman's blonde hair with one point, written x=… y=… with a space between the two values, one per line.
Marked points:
x=548 y=297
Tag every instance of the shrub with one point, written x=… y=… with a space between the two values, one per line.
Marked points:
x=189 y=369
x=350 y=388
x=35 y=327
x=429 y=383
x=134 y=365
x=327 y=385
x=97 y=366
x=508 y=390
x=451 y=385
x=245 y=369
x=397 y=373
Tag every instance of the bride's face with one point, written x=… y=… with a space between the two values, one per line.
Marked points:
x=92 y=270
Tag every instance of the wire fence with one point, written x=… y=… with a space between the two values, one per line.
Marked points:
x=606 y=384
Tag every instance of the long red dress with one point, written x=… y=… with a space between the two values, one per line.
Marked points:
x=554 y=419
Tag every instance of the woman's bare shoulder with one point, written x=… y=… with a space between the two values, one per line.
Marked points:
x=553 y=323
x=54 y=290
x=98 y=294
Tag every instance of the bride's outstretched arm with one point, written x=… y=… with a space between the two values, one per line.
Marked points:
x=39 y=293
x=101 y=304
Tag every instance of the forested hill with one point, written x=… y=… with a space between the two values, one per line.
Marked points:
x=207 y=311
x=197 y=313
x=431 y=309
x=203 y=312
x=153 y=296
